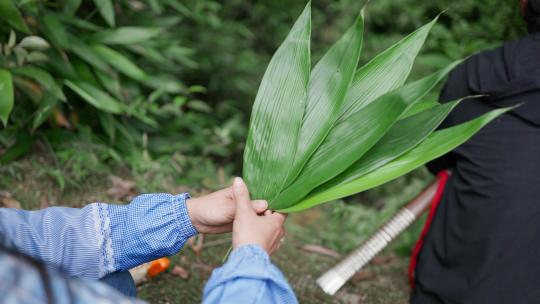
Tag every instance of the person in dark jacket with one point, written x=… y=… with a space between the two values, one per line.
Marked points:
x=483 y=245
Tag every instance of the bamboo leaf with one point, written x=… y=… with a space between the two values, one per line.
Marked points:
x=23 y=143
x=277 y=113
x=165 y=82
x=126 y=35
x=385 y=72
x=402 y=137
x=87 y=54
x=350 y=139
x=110 y=82
x=42 y=77
x=106 y=10
x=6 y=95
x=71 y=6
x=46 y=106
x=95 y=96
x=328 y=84
x=34 y=42
x=117 y=60
x=437 y=144
x=107 y=123
x=54 y=31
x=29 y=88
x=80 y=23
x=11 y=15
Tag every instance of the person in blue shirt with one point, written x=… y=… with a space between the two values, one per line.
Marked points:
x=58 y=254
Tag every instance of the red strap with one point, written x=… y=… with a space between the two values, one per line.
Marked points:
x=442 y=176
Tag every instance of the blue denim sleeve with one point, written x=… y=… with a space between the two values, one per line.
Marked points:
x=248 y=276
x=99 y=239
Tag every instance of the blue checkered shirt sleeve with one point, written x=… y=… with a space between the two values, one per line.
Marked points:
x=101 y=238
x=248 y=276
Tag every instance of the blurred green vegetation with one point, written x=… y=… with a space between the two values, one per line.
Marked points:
x=162 y=89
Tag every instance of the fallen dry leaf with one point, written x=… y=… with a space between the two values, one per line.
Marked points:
x=321 y=250
x=7 y=200
x=204 y=267
x=198 y=245
x=363 y=275
x=180 y=271
x=382 y=259
x=60 y=120
x=121 y=189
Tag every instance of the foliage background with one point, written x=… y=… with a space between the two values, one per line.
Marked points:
x=185 y=90
x=171 y=105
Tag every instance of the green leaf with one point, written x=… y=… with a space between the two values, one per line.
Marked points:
x=420 y=107
x=89 y=55
x=29 y=88
x=167 y=83
x=36 y=57
x=6 y=95
x=110 y=82
x=46 y=107
x=120 y=62
x=80 y=23
x=108 y=124
x=151 y=54
x=84 y=72
x=328 y=84
x=11 y=40
x=277 y=113
x=60 y=65
x=22 y=144
x=436 y=145
x=126 y=35
x=402 y=137
x=95 y=96
x=11 y=15
x=42 y=77
x=385 y=72
x=34 y=42
x=199 y=105
x=71 y=6
x=106 y=10
x=350 y=139
x=54 y=30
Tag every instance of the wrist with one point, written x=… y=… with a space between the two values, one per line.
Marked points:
x=193 y=213
x=252 y=250
x=260 y=245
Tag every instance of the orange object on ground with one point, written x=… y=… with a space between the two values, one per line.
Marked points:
x=158 y=266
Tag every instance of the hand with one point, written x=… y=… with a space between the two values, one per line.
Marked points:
x=214 y=213
x=249 y=228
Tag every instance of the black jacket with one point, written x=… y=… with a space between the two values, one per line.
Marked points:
x=484 y=242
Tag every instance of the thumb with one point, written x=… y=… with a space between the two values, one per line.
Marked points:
x=241 y=196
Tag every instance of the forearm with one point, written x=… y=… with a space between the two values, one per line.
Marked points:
x=248 y=276
x=100 y=238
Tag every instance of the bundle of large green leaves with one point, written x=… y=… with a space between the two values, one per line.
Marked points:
x=322 y=134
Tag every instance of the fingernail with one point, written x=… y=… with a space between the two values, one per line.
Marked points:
x=237 y=182
x=261 y=204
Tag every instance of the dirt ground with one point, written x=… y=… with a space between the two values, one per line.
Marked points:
x=383 y=281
